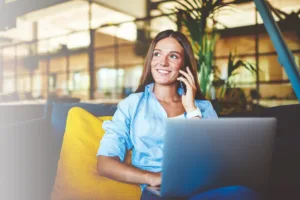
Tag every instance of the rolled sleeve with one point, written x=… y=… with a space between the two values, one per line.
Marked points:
x=207 y=109
x=116 y=140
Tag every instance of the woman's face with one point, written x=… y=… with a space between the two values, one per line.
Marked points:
x=167 y=60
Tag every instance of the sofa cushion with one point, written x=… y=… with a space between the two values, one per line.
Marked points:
x=60 y=113
x=77 y=176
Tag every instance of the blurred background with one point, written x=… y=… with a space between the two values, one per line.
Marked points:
x=94 y=50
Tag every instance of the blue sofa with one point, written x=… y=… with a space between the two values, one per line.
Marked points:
x=30 y=151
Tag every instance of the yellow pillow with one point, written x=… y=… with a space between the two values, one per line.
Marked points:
x=77 y=176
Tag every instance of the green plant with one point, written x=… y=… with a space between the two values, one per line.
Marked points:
x=194 y=15
x=233 y=68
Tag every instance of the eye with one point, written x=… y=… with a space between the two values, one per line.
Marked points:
x=156 y=54
x=174 y=56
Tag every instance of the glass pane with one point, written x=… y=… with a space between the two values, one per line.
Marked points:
x=79 y=62
x=110 y=83
x=79 y=80
x=276 y=91
x=105 y=58
x=290 y=38
x=128 y=55
x=61 y=84
x=237 y=45
x=79 y=84
x=37 y=85
x=131 y=78
x=8 y=77
x=44 y=85
x=8 y=84
x=270 y=69
x=24 y=83
x=8 y=54
x=58 y=65
x=265 y=44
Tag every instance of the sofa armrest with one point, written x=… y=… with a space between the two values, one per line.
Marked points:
x=28 y=155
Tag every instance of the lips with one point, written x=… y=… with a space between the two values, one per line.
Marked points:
x=163 y=72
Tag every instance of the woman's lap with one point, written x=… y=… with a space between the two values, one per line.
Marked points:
x=224 y=193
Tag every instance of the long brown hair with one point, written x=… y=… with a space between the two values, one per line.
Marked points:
x=189 y=58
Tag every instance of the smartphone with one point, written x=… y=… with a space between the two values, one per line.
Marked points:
x=183 y=87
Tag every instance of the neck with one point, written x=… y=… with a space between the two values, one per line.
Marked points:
x=166 y=93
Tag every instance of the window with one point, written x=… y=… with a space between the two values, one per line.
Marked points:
x=110 y=80
x=52 y=81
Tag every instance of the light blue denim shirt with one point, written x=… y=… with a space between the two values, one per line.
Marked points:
x=139 y=124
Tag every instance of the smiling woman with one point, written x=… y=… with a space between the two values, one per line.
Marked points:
x=170 y=51
x=140 y=120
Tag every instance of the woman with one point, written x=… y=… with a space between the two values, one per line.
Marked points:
x=139 y=122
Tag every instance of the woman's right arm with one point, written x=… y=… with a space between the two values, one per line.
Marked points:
x=113 y=168
x=114 y=145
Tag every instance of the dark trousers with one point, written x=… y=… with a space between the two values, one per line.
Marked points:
x=224 y=193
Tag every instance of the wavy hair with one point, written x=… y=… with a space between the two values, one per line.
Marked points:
x=189 y=60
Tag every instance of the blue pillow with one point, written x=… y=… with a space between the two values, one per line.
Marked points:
x=60 y=112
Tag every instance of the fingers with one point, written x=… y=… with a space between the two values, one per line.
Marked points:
x=189 y=86
x=188 y=75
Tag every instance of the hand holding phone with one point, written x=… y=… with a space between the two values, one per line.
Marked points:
x=183 y=87
x=188 y=87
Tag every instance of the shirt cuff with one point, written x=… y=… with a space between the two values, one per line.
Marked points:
x=195 y=113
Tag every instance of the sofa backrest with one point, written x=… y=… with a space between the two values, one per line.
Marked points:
x=288 y=117
x=59 y=113
x=13 y=113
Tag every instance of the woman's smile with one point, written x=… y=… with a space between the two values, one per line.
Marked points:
x=163 y=72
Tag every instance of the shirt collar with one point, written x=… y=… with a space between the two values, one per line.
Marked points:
x=149 y=89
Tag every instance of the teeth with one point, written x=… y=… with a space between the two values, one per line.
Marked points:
x=163 y=71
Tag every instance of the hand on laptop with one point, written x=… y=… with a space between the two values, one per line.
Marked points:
x=154 y=179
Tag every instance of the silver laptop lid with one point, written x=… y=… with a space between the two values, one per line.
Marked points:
x=201 y=154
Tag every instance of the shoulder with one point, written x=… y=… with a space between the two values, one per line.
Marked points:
x=132 y=98
x=203 y=104
x=206 y=108
x=130 y=102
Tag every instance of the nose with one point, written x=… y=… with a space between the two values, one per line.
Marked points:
x=164 y=61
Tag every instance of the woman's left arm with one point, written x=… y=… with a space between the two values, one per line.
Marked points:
x=188 y=100
x=209 y=112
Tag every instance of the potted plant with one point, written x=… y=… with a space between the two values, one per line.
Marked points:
x=232 y=98
x=194 y=16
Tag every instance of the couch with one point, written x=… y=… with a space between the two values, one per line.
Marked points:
x=30 y=151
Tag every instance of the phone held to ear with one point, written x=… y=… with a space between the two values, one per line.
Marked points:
x=183 y=87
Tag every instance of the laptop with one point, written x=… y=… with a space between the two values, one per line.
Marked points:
x=205 y=154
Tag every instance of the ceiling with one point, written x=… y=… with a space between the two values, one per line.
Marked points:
x=235 y=15
x=59 y=21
